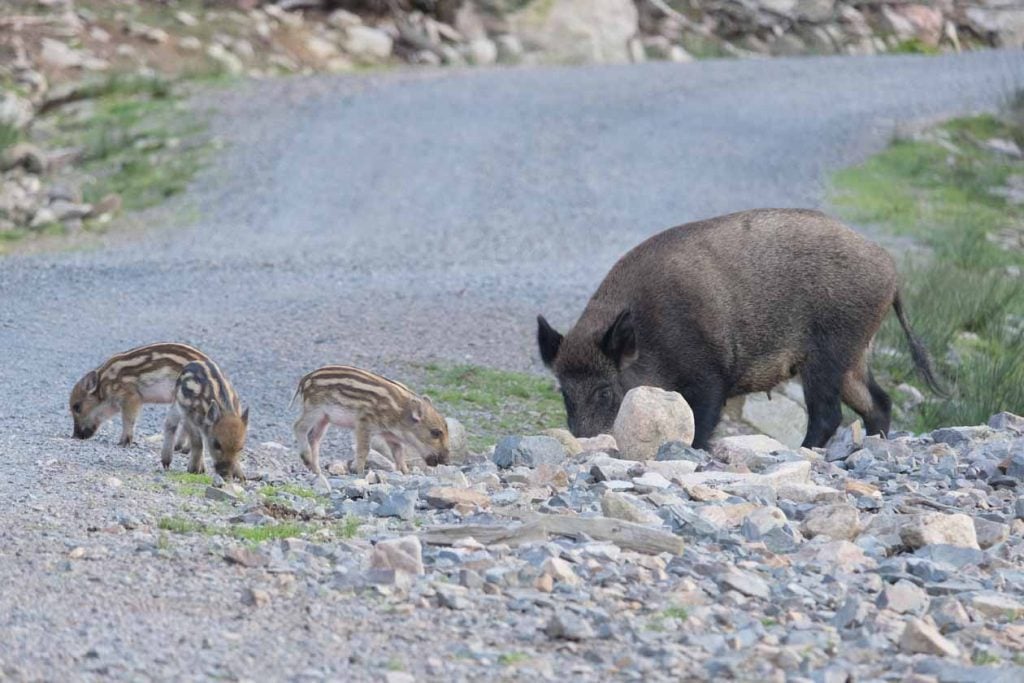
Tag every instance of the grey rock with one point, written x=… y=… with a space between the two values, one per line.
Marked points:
x=565 y=625
x=214 y=493
x=458 y=441
x=854 y=612
x=528 y=451
x=1007 y=422
x=745 y=582
x=679 y=450
x=401 y=504
x=921 y=637
x=948 y=614
x=903 y=597
x=950 y=556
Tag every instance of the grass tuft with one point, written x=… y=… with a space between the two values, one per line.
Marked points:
x=268 y=532
x=942 y=190
x=180 y=525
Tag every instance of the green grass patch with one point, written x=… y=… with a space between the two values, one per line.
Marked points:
x=180 y=525
x=8 y=136
x=348 y=527
x=188 y=484
x=138 y=139
x=941 y=190
x=268 y=532
x=291 y=489
x=915 y=46
x=676 y=612
x=513 y=658
x=982 y=658
x=494 y=403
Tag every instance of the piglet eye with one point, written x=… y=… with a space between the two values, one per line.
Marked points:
x=77 y=407
x=216 y=444
x=436 y=433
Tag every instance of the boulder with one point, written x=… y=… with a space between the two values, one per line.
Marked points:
x=403 y=554
x=528 y=451
x=576 y=31
x=838 y=522
x=458 y=442
x=367 y=43
x=938 y=527
x=649 y=417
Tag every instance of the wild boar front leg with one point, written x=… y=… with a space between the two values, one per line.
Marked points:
x=196 y=464
x=129 y=413
x=399 y=453
x=171 y=424
x=362 y=447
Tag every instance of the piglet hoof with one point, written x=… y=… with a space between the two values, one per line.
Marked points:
x=126 y=440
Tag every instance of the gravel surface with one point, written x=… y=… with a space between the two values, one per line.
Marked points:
x=385 y=220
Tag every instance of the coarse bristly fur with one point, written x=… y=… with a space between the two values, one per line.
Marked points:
x=370 y=404
x=734 y=305
x=124 y=383
x=206 y=405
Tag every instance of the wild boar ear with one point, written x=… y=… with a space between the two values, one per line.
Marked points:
x=619 y=342
x=416 y=410
x=245 y=416
x=92 y=382
x=548 y=340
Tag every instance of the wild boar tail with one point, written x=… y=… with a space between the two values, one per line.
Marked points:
x=922 y=361
x=295 y=396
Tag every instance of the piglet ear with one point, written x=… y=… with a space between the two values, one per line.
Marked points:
x=426 y=399
x=91 y=382
x=245 y=416
x=619 y=341
x=548 y=340
x=416 y=410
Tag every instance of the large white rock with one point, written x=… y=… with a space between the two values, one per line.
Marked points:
x=366 y=42
x=649 y=417
x=746 y=449
x=15 y=111
x=403 y=554
x=839 y=522
x=780 y=417
x=577 y=31
x=938 y=527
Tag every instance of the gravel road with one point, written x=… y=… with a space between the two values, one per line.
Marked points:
x=380 y=220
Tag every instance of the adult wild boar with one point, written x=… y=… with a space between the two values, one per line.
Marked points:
x=734 y=305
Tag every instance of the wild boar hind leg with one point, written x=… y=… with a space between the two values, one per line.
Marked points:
x=171 y=425
x=303 y=431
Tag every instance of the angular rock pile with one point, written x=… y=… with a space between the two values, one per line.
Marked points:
x=870 y=557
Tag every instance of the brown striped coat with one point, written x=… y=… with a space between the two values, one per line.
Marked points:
x=370 y=404
x=206 y=405
x=124 y=383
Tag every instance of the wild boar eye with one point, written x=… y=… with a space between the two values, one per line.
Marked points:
x=77 y=407
x=436 y=433
x=603 y=395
